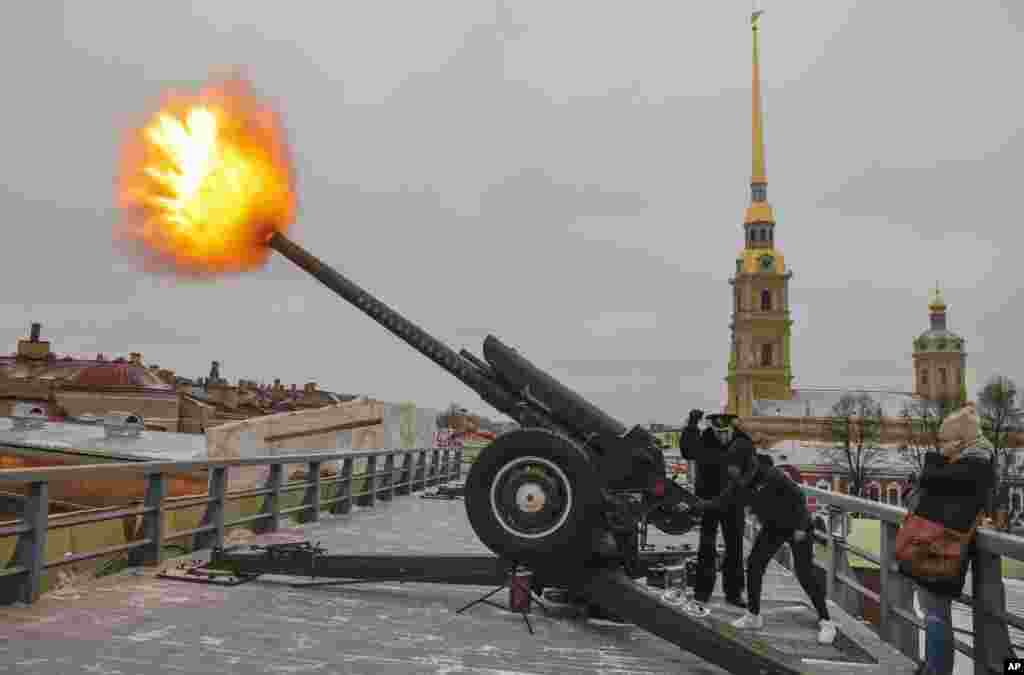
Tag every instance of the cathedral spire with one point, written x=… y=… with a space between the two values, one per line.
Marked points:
x=758 y=175
x=759 y=212
x=935 y=302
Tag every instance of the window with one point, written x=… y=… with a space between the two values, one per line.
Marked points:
x=739 y=302
x=766 y=355
x=942 y=376
x=766 y=300
x=874 y=493
x=924 y=378
x=1015 y=501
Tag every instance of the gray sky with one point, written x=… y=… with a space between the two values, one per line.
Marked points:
x=570 y=176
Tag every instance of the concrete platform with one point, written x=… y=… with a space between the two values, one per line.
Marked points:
x=136 y=624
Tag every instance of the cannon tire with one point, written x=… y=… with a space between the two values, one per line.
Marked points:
x=533 y=497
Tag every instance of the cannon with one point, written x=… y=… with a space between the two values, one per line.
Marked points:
x=566 y=495
x=572 y=484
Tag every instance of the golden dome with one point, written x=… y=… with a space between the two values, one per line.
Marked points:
x=936 y=302
x=759 y=212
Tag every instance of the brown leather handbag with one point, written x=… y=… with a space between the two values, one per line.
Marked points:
x=929 y=551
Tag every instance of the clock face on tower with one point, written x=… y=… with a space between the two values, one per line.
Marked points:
x=767 y=262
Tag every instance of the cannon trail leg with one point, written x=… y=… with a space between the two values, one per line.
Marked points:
x=712 y=640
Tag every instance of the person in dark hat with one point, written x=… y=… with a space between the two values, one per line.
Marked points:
x=709 y=449
x=781 y=507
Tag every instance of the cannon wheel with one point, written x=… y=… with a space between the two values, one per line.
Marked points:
x=532 y=496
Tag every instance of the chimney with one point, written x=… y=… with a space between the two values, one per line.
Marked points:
x=123 y=425
x=135 y=358
x=34 y=348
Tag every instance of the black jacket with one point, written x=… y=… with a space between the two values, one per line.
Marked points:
x=953 y=494
x=711 y=456
x=771 y=495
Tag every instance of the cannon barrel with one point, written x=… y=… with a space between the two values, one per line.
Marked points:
x=467 y=372
x=561 y=402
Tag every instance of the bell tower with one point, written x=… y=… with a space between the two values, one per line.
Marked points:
x=759 y=360
x=939 y=357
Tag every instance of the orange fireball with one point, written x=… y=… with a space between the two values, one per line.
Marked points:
x=207 y=180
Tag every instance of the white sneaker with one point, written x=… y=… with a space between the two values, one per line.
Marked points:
x=827 y=632
x=748 y=620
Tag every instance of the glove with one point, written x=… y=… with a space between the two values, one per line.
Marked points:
x=695 y=417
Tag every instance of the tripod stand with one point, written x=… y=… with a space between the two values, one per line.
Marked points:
x=520 y=592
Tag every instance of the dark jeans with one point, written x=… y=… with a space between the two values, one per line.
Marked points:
x=731 y=521
x=767 y=544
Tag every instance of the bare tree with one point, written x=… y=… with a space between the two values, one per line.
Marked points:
x=855 y=427
x=997 y=406
x=924 y=418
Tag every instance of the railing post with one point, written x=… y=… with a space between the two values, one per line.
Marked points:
x=404 y=486
x=421 y=471
x=887 y=546
x=312 y=496
x=445 y=456
x=458 y=464
x=272 y=503
x=370 y=498
x=991 y=635
x=344 y=505
x=30 y=551
x=153 y=521
x=214 y=512
x=387 y=489
x=434 y=473
x=895 y=592
x=833 y=566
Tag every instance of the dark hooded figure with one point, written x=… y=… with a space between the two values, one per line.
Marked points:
x=709 y=449
x=781 y=506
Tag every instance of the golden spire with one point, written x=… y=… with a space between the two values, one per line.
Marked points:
x=757 y=175
x=759 y=210
x=936 y=303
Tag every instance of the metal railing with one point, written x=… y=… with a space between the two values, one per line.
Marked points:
x=22 y=579
x=898 y=623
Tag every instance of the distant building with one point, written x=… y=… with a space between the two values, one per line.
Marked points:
x=66 y=388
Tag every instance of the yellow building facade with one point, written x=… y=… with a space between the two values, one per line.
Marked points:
x=759 y=360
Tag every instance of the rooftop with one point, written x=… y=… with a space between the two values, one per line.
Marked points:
x=92 y=438
x=818 y=402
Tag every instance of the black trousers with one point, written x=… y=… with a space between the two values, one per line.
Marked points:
x=731 y=522
x=767 y=544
